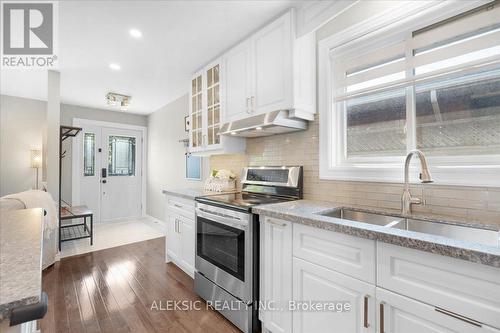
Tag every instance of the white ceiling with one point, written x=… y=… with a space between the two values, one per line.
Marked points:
x=179 y=37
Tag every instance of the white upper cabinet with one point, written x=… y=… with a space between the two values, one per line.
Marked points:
x=212 y=98
x=273 y=70
x=237 y=73
x=206 y=114
x=196 y=113
x=270 y=71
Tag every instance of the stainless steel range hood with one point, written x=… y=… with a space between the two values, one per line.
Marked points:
x=275 y=122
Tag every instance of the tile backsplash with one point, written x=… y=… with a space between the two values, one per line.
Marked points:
x=481 y=204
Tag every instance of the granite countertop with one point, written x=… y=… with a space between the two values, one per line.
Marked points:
x=306 y=212
x=21 y=236
x=191 y=193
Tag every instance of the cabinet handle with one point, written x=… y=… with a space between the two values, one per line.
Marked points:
x=457 y=316
x=365 y=306
x=382 y=328
x=176 y=226
x=177 y=205
x=276 y=223
x=248 y=104
x=252 y=104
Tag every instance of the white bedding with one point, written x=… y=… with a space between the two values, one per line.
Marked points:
x=38 y=199
x=7 y=204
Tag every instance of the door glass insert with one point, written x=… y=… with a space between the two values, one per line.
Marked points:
x=89 y=154
x=222 y=245
x=121 y=159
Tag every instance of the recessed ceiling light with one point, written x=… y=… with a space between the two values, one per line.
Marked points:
x=135 y=33
x=115 y=66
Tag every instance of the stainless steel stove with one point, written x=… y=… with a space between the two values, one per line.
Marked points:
x=227 y=241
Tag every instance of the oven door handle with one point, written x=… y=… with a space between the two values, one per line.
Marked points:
x=226 y=220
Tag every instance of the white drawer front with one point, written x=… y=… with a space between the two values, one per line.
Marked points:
x=465 y=288
x=349 y=255
x=404 y=315
x=181 y=206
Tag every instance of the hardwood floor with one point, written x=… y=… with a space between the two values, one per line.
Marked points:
x=113 y=290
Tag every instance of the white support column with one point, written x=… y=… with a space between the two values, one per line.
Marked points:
x=53 y=123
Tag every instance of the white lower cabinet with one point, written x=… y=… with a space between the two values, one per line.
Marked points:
x=469 y=289
x=348 y=303
x=180 y=235
x=276 y=275
x=414 y=291
x=172 y=243
x=400 y=314
x=187 y=242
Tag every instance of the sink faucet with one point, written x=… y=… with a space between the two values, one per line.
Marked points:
x=425 y=177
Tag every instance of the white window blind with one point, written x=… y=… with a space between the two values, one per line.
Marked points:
x=435 y=88
x=464 y=44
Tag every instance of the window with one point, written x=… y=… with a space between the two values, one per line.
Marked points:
x=434 y=88
x=193 y=167
x=89 y=154
x=121 y=160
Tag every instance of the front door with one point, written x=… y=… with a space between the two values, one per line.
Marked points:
x=110 y=168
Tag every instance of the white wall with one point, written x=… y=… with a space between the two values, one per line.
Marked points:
x=166 y=159
x=21 y=125
x=68 y=112
x=23 y=122
x=53 y=137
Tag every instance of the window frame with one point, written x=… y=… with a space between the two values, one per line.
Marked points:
x=186 y=167
x=451 y=170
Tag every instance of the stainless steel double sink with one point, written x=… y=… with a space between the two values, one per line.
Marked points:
x=439 y=228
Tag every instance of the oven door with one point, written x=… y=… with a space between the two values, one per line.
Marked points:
x=223 y=249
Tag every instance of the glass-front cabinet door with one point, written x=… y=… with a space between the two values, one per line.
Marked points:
x=205 y=114
x=196 y=131
x=213 y=105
